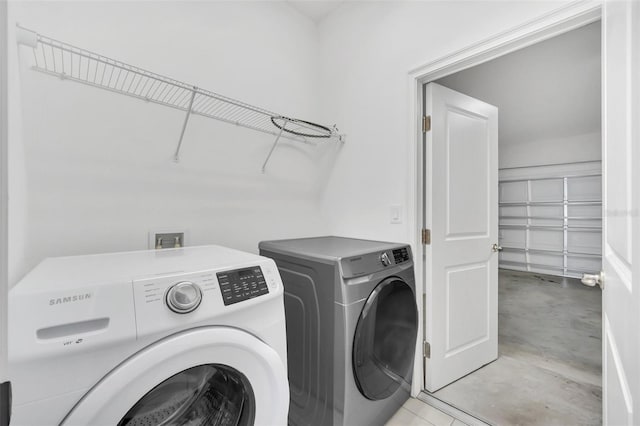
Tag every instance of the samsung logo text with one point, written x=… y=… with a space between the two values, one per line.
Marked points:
x=69 y=299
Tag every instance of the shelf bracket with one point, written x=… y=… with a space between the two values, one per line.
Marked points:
x=264 y=165
x=176 y=156
x=337 y=133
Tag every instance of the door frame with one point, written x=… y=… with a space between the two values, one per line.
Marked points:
x=566 y=18
x=4 y=195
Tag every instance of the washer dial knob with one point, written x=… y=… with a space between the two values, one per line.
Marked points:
x=184 y=297
x=384 y=258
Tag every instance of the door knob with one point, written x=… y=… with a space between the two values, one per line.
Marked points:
x=496 y=248
x=592 y=279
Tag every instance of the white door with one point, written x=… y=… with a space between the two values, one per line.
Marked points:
x=621 y=167
x=4 y=288
x=461 y=193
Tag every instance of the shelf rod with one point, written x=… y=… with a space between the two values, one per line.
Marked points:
x=274 y=146
x=553 y=227
x=176 y=156
x=557 y=252
x=549 y=203
x=538 y=266
x=572 y=176
x=551 y=218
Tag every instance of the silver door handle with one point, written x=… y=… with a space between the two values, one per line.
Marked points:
x=496 y=248
x=592 y=279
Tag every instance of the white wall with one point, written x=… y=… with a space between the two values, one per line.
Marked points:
x=91 y=171
x=368 y=48
x=551 y=150
x=548 y=95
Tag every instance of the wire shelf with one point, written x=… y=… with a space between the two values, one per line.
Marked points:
x=525 y=217
x=526 y=266
x=69 y=62
x=553 y=227
x=561 y=252
x=550 y=203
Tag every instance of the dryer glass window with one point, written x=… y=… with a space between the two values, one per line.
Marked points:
x=206 y=395
x=385 y=338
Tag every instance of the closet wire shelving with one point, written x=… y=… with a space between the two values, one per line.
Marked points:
x=69 y=62
x=565 y=252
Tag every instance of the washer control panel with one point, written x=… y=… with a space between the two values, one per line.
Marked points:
x=184 y=297
x=167 y=301
x=241 y=284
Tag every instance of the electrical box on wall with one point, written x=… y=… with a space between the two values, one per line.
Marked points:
x=167 y=238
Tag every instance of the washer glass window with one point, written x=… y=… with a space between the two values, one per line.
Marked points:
x=385 y=339
x=206 y=395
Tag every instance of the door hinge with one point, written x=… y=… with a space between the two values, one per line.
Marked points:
x=426 y=349
x=426 y=123
x=426 y=236
x=5 y=403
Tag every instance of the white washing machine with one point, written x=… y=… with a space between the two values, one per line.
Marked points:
x=190 y=336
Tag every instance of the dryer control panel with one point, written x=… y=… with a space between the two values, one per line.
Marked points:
x=369 y=263
x=401 y=255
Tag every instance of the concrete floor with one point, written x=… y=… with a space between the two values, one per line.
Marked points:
x=549 y=366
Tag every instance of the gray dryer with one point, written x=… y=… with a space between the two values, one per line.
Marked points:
x=352 y=324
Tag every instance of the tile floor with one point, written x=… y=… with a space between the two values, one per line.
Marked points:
x=417 y=413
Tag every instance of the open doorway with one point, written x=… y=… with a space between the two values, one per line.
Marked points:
x=549 y=362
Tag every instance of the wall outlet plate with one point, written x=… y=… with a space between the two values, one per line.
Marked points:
x=395 y=214
x=167 y=238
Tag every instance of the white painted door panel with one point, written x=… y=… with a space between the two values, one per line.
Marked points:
x=461 y=319
x=621 y=302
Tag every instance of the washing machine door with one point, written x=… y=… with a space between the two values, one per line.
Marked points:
x=385 y=339
x=205 y=377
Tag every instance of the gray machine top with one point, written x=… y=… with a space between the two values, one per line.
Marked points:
x=328 y=248
x=356 y=257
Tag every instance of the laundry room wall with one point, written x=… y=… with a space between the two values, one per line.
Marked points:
x=368 y=49
x=548 y=97
x=552 y=150
x=92 y=171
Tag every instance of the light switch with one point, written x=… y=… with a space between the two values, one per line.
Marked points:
x=395 y=214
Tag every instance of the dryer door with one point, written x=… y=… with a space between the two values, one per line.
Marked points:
x=208 y=376
x=385 y=339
